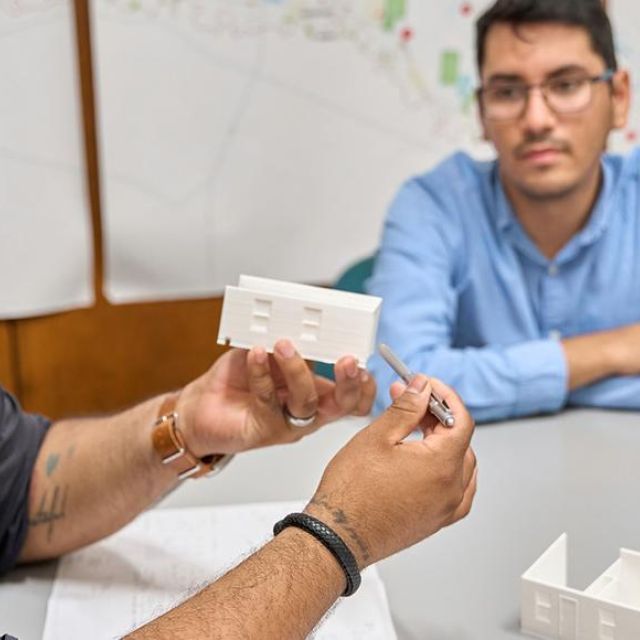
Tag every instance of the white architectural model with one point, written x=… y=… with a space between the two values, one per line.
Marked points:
x=324 y=324
x=609 y=609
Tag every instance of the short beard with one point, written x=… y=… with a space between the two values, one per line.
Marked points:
x=549 y=194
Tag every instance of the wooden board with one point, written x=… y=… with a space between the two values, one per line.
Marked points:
x=7 y=364
x=109 y=357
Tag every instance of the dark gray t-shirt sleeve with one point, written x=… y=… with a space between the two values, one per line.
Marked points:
x=21 y=435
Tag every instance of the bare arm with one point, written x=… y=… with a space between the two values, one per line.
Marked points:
x=379 y=493
x=92 y=476
x=269 y=595
x=592 y=357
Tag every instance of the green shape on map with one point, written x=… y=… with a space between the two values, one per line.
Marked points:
x=394 y=11
x=449 y=68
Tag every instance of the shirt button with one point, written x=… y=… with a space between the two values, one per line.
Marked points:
x=554 y=334
x=553 y=270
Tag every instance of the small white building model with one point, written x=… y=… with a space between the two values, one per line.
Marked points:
x=609 y=609
x=323 y=324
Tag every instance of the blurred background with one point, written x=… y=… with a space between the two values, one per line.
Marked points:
x=151 y=151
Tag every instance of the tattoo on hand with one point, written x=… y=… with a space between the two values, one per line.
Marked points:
x=48 y=515
x=340 y=517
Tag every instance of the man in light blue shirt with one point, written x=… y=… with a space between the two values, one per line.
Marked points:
x=518 y=281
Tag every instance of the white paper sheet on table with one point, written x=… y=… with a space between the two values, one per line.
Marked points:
x=45 y=241
x=115 y=585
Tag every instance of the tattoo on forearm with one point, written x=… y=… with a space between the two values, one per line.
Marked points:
x=56 y=510
x=341 y=518
x=52 y=463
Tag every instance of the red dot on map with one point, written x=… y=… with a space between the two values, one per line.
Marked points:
x=466 y=9
x=406 y=34
x=632 y=136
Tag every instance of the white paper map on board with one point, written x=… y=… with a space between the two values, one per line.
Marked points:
x=45 y=238
x=268 y=136
x=151 y=565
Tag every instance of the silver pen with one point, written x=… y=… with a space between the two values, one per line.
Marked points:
x=437 y=406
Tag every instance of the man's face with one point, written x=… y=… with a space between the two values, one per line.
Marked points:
x=544 y=154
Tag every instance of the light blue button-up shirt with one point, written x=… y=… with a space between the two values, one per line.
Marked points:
x=470 y=299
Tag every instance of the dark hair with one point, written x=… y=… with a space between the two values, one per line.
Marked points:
x=589 y=14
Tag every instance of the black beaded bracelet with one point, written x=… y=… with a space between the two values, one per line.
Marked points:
x=331 y=540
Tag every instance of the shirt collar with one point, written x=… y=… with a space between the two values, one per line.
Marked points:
x=601 y=212
x=508 y=224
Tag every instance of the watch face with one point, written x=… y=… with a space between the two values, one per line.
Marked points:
x=220 y=464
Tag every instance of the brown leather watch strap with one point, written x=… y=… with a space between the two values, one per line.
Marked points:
x=170 y=445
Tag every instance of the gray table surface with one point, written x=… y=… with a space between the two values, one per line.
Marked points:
x=577 y=472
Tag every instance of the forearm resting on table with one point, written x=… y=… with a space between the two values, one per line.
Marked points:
x=497 y=382
x=282 y=591
x=91 y=477
x=592 y=357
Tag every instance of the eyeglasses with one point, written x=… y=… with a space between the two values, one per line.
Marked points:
x=503 y=100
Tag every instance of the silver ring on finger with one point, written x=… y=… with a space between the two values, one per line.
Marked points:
x=298 y=422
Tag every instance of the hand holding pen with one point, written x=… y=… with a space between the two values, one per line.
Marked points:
x=437 y=406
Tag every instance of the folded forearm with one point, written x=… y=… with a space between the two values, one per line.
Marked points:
x=495 y=382
x=592 y=357
x=620 y=392
x=91 y=477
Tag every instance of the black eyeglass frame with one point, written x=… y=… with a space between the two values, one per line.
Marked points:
x=605 y=76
